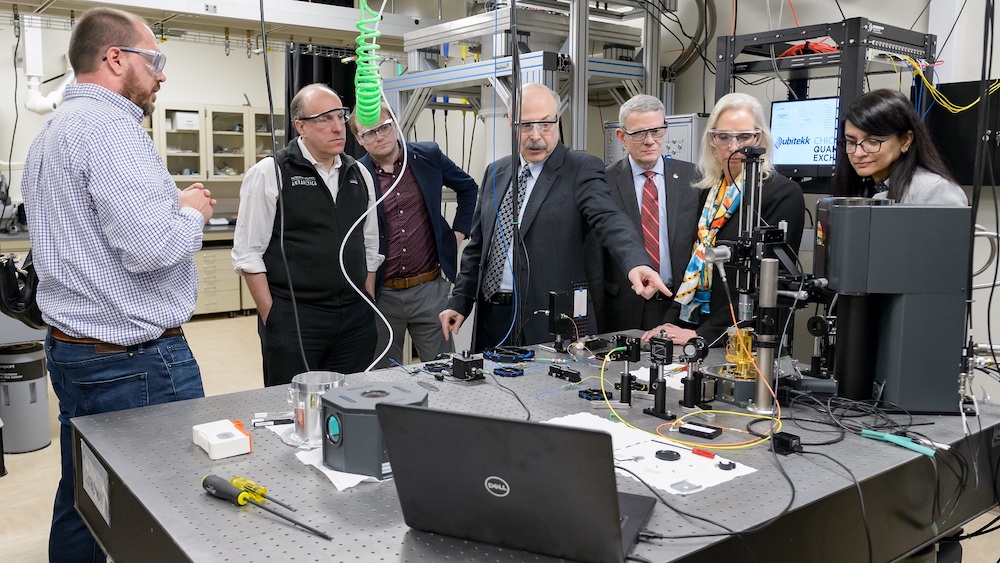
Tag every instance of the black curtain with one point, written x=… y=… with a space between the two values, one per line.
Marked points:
x=310 y=64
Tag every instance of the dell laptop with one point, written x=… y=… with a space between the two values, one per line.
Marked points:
x=541 y=488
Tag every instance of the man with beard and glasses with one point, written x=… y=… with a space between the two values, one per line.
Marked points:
x=113 y=242
x=562 y=196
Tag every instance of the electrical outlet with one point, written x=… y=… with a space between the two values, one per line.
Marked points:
x=211 y=8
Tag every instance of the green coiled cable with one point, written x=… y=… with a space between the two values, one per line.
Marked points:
x=367 y=79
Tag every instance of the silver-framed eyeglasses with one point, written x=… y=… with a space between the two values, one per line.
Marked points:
x=539 y=126
x=383 y=130
x=156 y=61
x=870 y=145
x=742 y=138
x=656 y=133
x=340 y=115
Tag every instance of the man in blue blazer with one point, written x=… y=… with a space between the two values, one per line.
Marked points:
x=420 y=247
x=562 y=196
x=669 y=232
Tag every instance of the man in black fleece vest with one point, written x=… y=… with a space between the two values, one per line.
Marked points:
x=287 y=246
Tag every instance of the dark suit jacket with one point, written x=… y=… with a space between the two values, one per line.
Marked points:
x=432 y=169
x=570 y=197
x=616 y=306
x=782 y=201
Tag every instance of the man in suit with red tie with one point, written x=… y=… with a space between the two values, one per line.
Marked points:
x=656 y=192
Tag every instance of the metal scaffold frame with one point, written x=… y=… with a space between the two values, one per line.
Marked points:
x=555 y=65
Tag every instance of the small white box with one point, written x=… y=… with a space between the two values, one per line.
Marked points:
x=187 y=120
x=222 y=438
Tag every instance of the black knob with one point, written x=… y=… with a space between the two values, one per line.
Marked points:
x=818 y=326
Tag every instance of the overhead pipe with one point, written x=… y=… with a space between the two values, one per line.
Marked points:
x=34 y=71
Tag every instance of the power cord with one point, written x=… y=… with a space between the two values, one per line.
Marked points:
x=280 y=201
x=650 y=535
x=512 y=392
x=840 y=437
x=861 y=499
x=851 y=420
x=17 y=115
x=688 y=515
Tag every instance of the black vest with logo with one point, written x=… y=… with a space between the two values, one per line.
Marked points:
x=316 y=227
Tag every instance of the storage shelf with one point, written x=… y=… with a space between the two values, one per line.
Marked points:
x=216 y=133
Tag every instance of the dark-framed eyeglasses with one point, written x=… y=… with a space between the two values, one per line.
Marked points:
x=376 y=132
x=871 y=145
x=340 y=115
x=156 y=61
x=742 y=138
x=640 y=136
x=541 y=126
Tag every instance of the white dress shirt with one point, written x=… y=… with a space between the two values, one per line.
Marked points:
x=258 y=205
x=507 y=281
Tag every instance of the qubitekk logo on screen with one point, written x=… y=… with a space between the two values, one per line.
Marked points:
x=781 y=141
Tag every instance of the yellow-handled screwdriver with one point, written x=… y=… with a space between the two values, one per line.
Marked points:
x=220 y=488
x=257 y=492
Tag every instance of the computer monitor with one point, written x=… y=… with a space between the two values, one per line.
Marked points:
x=805 y=137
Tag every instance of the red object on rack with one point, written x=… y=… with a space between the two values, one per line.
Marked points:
x=807 y=48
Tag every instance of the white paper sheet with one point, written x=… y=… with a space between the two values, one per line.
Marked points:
x=339 y=479
x=314 y=457
x=636 y=450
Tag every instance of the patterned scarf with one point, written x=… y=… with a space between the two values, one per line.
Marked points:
x=695 y=291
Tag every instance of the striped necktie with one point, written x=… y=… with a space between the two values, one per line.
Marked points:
x=650 y=213
x=503 y=235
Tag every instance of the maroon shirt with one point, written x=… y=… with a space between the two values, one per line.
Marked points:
x=411 y=248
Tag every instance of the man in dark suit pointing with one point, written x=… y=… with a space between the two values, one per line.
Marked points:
x=658 y=195
x=562 y=196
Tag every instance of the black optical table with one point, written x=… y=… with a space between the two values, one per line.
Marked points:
x=158 y=511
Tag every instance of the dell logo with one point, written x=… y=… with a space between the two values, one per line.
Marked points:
x=497 y=486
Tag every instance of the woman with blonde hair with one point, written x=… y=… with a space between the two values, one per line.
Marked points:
x=701 y=307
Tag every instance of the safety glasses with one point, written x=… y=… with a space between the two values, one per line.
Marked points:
x=382 y=130
x=741 y=138
x=155 y=60
x=656 y=133
x=338 y=115
x=542 y=127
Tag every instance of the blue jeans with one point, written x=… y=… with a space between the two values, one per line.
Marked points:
x=86 y=382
